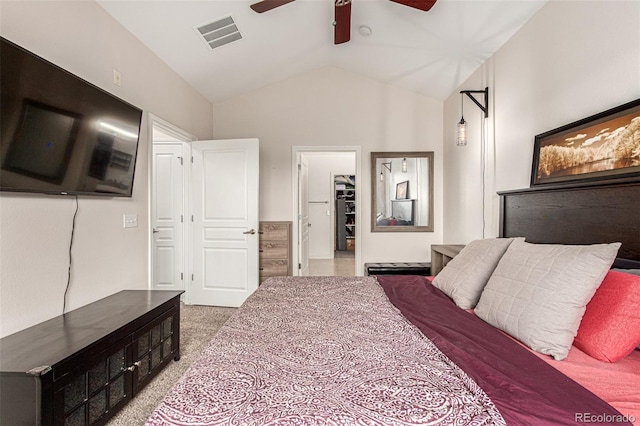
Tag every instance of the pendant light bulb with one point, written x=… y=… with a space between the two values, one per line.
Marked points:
x=461 y=139
x=404 y=165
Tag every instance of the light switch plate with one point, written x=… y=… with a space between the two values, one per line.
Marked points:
x=117 y=77
x=130 y=221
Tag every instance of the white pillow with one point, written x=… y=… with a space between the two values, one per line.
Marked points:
x=539 y=292
x=465 y=275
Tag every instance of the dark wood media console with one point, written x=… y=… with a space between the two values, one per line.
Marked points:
x=80 y=368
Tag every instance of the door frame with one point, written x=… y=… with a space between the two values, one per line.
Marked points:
x=184 y=137
x=296 y=152
x=303 y=189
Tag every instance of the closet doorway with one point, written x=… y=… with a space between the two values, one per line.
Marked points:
x=325 y=247
x=168 y=205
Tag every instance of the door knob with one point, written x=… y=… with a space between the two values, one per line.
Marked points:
x=155 y=231
x=250 y=232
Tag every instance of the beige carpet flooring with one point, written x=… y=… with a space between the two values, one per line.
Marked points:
x=198 y=324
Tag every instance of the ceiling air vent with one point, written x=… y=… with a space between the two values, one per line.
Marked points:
x=218 y=33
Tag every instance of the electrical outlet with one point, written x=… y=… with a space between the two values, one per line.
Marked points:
x=117 y=77
x=130 y=221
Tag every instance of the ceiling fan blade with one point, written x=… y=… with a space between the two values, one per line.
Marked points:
x=267 y=5
x=424 y=5
x=342 y=30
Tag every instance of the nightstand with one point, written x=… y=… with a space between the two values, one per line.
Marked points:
x=441 y=254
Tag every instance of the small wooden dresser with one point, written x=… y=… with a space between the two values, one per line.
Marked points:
x=275 y=249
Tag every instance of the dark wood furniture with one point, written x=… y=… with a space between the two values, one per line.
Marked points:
x=580 y=214
x=570 y=214
x=398 y=268
x=275 y=249
x=341 y=224
x=81 y=367
x=441 y=254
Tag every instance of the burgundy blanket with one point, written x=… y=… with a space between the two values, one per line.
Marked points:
x=525 y=389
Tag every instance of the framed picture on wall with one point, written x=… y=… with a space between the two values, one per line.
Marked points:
x=605 y=146
x=402 y=190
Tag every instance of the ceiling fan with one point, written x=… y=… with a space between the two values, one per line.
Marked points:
x=342 y=13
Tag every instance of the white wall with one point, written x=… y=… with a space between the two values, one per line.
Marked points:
x=35 y=230
x=571 y=60
x=332 y=107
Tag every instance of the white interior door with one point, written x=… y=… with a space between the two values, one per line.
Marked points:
x=225 y=221
x=320 y=232
x=303 y=221
x=167 y=216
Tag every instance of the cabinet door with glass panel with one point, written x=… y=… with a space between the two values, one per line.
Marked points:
x=98 y=387
x=153 y=347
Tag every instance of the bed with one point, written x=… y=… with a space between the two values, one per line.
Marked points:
x=398 y=350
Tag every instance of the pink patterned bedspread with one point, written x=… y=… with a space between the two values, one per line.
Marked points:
x=323 y=350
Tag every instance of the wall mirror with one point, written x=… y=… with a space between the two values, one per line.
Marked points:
x=402 y=191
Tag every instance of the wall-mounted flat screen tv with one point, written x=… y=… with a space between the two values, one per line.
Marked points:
x=60 y=134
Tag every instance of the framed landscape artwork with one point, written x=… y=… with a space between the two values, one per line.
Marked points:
x=604 y=146
x=402 y=190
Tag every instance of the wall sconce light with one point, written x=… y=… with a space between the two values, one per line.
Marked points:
x=461 y=139
x=404 y=165
x=388 y=167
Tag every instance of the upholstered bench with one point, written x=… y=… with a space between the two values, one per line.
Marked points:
x=398 y=268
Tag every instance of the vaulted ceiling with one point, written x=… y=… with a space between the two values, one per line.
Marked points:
x=430 y=53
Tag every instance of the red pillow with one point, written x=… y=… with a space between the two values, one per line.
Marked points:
x=610 y=327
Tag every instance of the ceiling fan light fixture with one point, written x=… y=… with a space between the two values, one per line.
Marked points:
x=424 y=5
x=342 y=15
x=267 y=5
x=342 y=21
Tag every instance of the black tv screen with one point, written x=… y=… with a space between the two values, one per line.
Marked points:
x=60 y=134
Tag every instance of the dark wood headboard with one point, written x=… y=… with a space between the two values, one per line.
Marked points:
x=576 y=215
